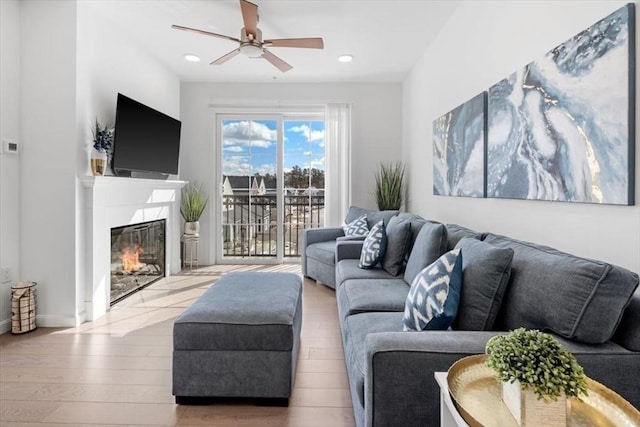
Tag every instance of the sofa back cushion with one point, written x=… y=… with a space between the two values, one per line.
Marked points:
x=455 y=233
x=485 y=274
x=429 y=245
x=354 y=213
x=574 y=297
x=398 y=237
x=628 y=332
x=373 y=217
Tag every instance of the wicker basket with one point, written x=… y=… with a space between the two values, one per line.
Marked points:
x=23 y=307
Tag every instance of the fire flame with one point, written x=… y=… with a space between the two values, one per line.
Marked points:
x=130 y=260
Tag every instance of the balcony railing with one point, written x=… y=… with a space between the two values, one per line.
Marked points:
x=249 y=224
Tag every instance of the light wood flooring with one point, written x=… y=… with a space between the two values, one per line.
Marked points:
x=117 y=370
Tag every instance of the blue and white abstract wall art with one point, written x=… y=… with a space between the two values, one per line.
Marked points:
x=459 y=150
x=563 y=127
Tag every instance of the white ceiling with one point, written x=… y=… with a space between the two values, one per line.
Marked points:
x=386 y=37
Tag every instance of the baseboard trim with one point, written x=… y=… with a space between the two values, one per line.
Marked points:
x=56 y=321
x=5 y=325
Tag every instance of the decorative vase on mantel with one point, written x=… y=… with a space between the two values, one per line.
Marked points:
x=530 y=411
x=98 y=162
x=192 y=228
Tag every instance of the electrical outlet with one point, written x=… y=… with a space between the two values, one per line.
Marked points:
x=4 y=275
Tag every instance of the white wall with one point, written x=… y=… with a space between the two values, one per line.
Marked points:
x=48 y=157
x=55 y=81
x=9 y=170
x=482 y=43
x=376 y=131
x=108 y=62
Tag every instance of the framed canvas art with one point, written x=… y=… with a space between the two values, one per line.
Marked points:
x=459 y=150
x=562 y=128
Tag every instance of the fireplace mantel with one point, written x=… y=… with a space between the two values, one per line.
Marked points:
x=116 y=201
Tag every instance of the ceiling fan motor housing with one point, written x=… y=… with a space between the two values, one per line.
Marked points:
x=249 y=45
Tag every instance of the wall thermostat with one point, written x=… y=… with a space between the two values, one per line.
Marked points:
x=9 y=147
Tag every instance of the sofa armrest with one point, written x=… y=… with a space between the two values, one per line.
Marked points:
x=348 y=249
x=310 y=236
x=324 y=234
x=399 y=386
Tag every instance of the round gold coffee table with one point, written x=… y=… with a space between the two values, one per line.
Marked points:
x=471 y=396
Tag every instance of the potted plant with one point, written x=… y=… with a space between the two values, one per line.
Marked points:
x=194 y=200
x=102 y=141
x=390 y=186
x=537 y=376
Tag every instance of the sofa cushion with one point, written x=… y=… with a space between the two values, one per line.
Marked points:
x=432 y=302
x=348 y=269
x=355 y=329
x=354 y=213
x=485 y=274
x=628 y=332
x=358 y=296
x=358 y=227
x=455 y=233
x=374 y=246
x=373 y=217
x=324 y=252
x=429 y=245
x=576 y=298
x=398 y=235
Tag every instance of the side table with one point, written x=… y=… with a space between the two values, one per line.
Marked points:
x=449 y=415
x=189 y=250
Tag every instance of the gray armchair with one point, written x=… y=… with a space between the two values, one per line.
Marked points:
x=318 y=254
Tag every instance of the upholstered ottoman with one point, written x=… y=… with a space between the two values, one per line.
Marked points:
x=239 y=339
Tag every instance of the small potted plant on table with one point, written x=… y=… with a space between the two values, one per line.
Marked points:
x=537 y=375
x=194 y=200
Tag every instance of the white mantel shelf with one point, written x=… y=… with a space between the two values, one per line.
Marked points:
x=92 y=181
x=113 y=201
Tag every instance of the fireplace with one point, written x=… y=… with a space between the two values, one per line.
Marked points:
x=137 y=257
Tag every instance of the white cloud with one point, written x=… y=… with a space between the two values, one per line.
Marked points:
x=310 y=134
x=234 y=149
x=308 y=153
x=318 y=164
x=236 y=165
x=248 y=133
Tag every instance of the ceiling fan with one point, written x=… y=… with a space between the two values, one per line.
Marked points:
x=251 y=43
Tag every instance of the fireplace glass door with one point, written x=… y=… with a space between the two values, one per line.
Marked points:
x=137 y=257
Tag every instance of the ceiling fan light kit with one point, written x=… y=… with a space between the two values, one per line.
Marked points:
x=251 y=43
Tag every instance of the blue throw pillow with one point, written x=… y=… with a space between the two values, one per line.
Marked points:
x=374 y=246
x=433 y=299
x=358 y=227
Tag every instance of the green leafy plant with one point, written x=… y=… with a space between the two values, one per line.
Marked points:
x=102 y=137
x=538 y=361
x=194 y=200
x=390 y=186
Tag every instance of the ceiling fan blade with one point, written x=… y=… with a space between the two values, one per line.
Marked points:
x=226 y=57
x=277 y=62
x=311 y=43
x=249 y=16
x=206 y=33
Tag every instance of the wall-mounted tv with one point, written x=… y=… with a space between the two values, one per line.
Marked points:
x=145 y=140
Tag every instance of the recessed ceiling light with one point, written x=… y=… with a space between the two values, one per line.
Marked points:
x=191 y=57
x=345 y=58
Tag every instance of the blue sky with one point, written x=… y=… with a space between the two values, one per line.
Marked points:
x=250 y=147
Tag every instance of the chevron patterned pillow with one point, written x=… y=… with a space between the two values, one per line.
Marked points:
x=434 y=296
x=374 y=246
x=358 y=227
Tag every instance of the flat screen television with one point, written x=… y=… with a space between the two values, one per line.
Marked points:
x=145 y=140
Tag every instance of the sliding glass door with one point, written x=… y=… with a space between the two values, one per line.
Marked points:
x=272 y=185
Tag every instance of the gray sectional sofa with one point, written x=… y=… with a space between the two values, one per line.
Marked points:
x=592 y=307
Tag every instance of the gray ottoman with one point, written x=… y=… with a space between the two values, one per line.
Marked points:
x=239 y=339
